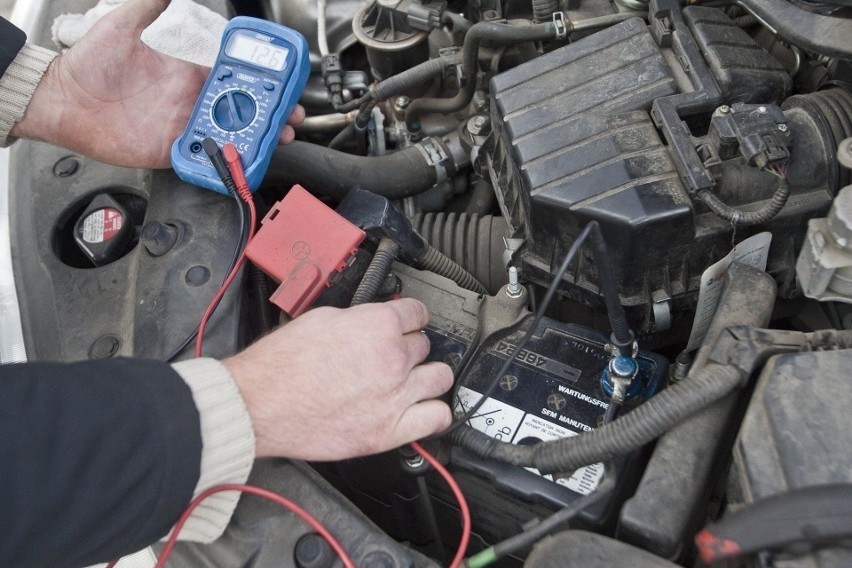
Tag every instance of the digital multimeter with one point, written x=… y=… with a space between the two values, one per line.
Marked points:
x=258 y=77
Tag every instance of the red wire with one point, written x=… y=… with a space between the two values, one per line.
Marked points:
x=301 y=513
x=316 y=525
x=465 y=511
x=245 y=193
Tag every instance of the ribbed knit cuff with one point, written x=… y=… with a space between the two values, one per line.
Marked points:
x=228 y=444
x=18 y=84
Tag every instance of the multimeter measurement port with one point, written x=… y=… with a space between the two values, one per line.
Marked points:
x=257 y=79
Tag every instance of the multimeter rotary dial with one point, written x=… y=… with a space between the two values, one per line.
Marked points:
x=234 y=110
x=260 y=72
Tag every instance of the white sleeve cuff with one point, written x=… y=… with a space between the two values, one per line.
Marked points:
x=228 y=444
x=18 y=84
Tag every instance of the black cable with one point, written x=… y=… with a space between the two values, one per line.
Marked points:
x=211 y=148
x=266 y=311
x=361 y=122
x=740 y=218
x=611 y=412
x=353 y=104
x=439 y=263
x=622 y=336
x=243 y=209
x=555 y=521
x=377 y=271
x=548 y=297
x=620 y=437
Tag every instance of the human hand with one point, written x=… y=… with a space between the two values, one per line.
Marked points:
x=334 y=384
x=113 y=98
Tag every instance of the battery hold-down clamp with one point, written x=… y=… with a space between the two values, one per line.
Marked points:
x=303 y=245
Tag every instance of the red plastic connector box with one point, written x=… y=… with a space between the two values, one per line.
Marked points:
x=302 y=244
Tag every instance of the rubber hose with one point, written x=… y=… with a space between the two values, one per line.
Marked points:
x=410 y=78
x=746 y=21
x=831 y=109
x=333 y=173
x=341 y=138
x=437 y=262
x=376 y=273
x=474 y=242
x=741 y=218
x=456 y=22
x=543 y=9
x=619 y=437
x=483 y=31
x=622 y=335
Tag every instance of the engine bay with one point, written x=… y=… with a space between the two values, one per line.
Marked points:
x=628 y=218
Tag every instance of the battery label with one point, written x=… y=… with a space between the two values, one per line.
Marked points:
x=507 y=423
x=538 y=362
x=102 y=225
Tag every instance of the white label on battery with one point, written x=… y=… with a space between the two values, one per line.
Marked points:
x=754 y=252
x=102 y=225
x=497 y=419
x=510 y=424
x=534 y=429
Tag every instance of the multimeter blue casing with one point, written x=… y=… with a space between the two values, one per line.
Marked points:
x=243 y=102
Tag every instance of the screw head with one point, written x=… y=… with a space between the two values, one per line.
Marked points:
x=476 y=124
x=402 y=102
x=761 y=109
x=724 y=109
x=556 y=401
x=782 y=127
x=508 y=382
x=66 y=167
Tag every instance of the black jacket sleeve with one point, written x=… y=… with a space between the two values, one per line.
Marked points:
x=11 y=41
x=97 y=459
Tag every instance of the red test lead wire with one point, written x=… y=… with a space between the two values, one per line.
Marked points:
x=235 y=165
x=284 y=502
x=315 y=524
x=454 y=487
x=232 y=158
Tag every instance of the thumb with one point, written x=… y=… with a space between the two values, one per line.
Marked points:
x=136 y=15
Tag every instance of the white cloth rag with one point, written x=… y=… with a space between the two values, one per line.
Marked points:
x=185 y=30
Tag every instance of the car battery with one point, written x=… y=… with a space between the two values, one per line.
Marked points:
x=551 y=390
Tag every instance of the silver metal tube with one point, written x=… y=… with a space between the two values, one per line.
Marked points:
x=325 y=123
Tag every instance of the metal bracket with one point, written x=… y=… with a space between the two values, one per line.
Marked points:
x=435 y=156
x=560 y=25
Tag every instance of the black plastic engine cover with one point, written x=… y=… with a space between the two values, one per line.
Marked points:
x=796 y=434
x=574 y=142
x=745 y=71
x=576 y=138
x=548 y=114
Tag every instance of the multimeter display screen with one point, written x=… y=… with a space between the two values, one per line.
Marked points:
x=260 y=53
